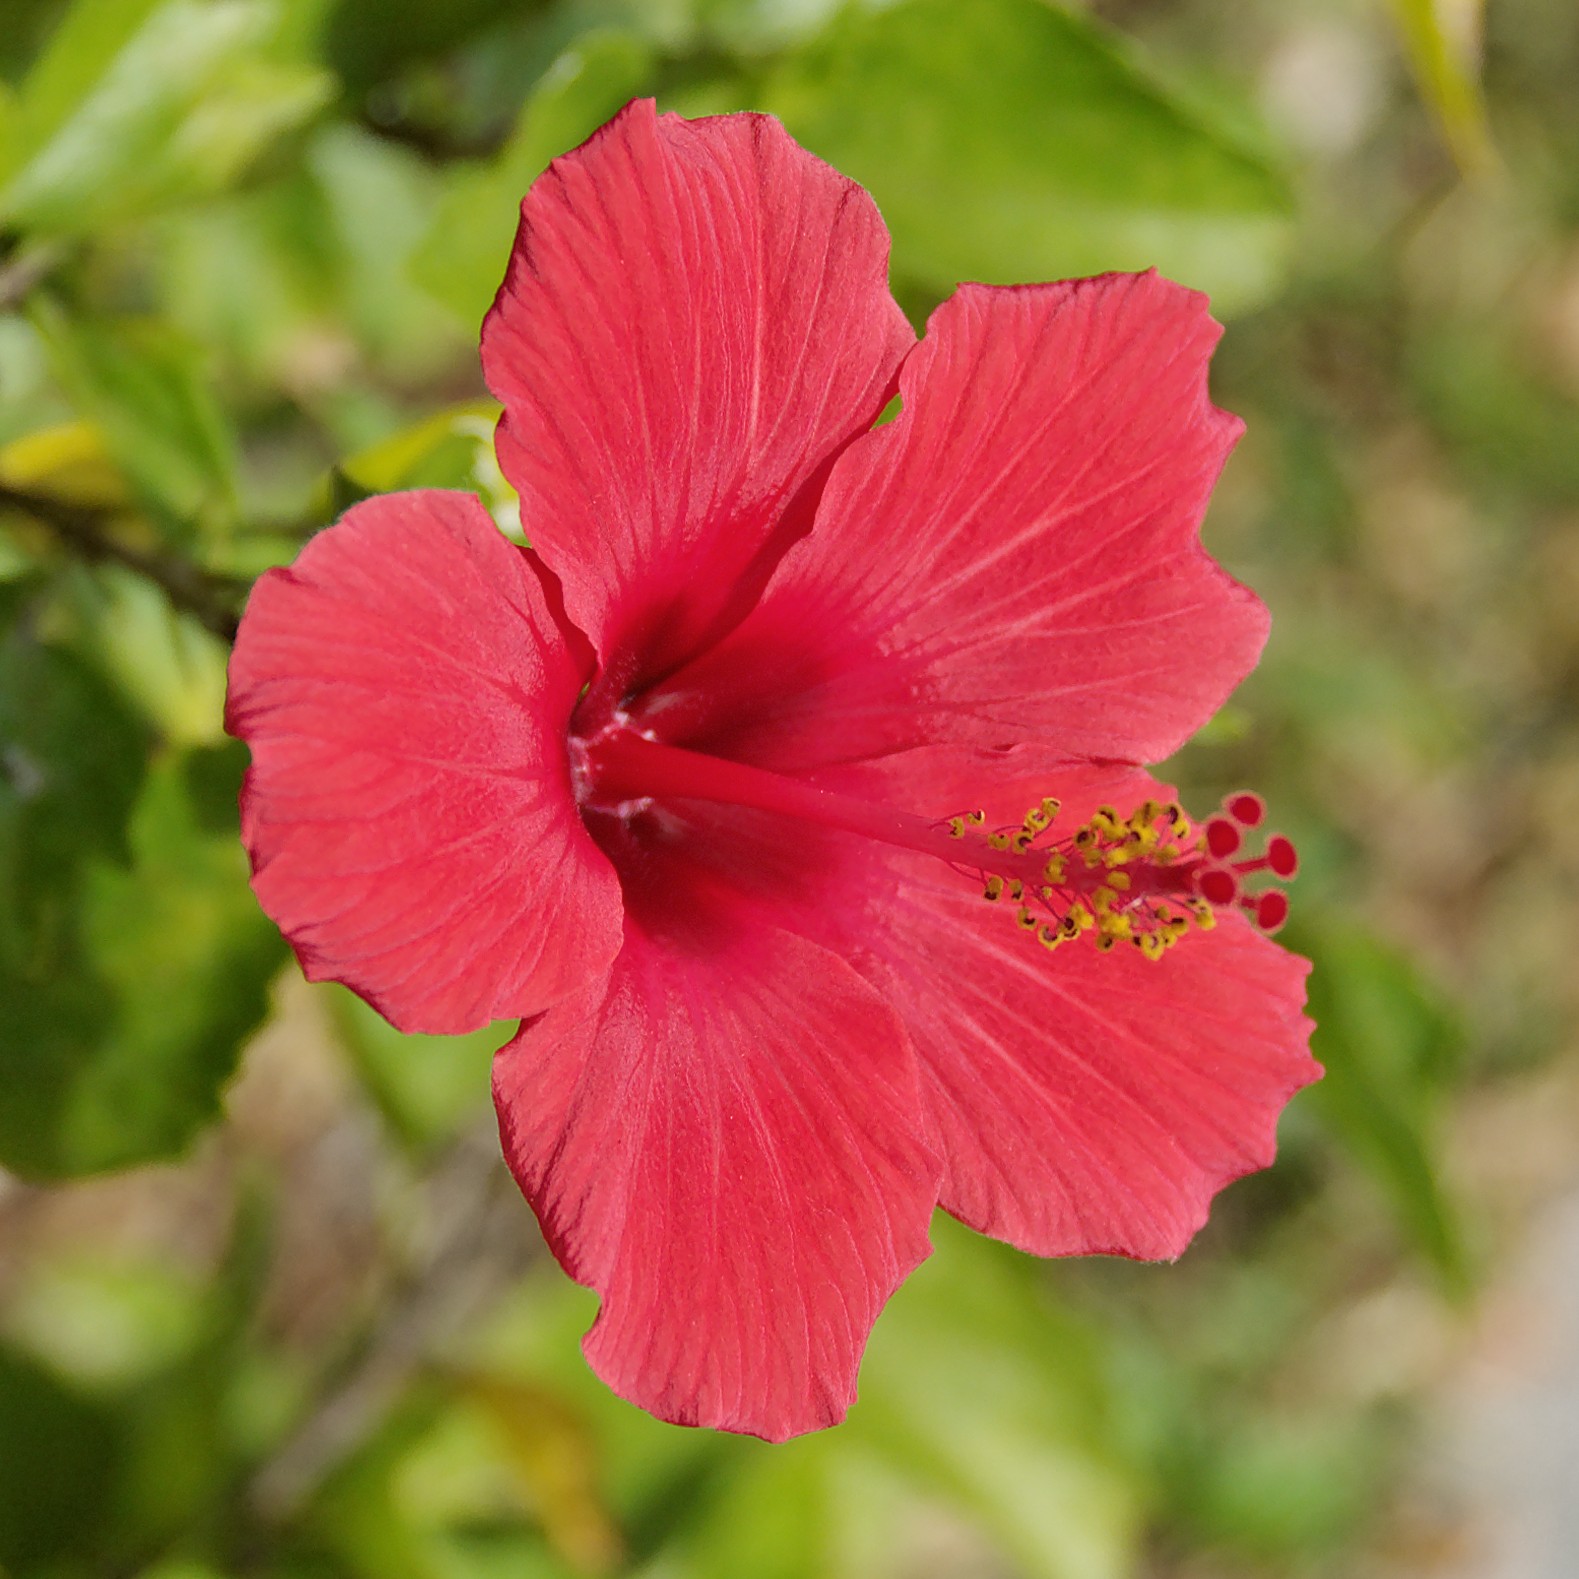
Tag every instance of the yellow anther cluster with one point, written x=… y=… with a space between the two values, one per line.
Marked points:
x=1102 y=898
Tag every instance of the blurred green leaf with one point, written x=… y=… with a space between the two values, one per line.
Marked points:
x=71 y=767
x=440 y=451
x=79 y=51
x=1387 y=1041
x=375 y=203
x=1287 y=1490
x=136 y=107
x=165 y=662
x=1009 y=140
x=146 y=388
x=461 y=260
x=367 y=41
x=60 y=1453
x=1437 y=36
x=426 y=1086
x=117 y=1053
x=179 y=1422
x=975 y=1386
x=105 y=1324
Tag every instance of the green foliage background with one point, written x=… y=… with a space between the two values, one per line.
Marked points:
x=244 y=249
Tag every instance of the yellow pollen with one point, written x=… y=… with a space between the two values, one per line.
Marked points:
x=1107 y=877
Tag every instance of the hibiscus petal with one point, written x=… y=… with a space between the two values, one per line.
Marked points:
x=1085 y=1102
x=723 y=1145
x=1014 y=559
x=404 y=689
x=695 y=319
x=1081 y=1102
x=1096 y=1104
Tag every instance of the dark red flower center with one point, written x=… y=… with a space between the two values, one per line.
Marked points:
x=1144 y=879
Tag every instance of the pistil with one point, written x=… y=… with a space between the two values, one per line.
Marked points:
x=1145 y=879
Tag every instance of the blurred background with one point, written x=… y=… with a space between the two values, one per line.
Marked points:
x=269 y=1305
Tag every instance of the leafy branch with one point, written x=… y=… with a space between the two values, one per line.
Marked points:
x=212 y=599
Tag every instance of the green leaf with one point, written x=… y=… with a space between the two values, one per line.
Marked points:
x=118 y=1051
x=426 y=1086
x=71 y=767
x=447 y=450
x=375 y=202
x=148 y=391
x=461 y=261
x=135 y=108
x=60 y=1455
x=79 y=52
x=164 y=661
x=368 y=41
x=976 y=1387
x=1443 y=41
x=1387 y=1042
x=181 y=1423
x=104 y=1324
x=1010 y=141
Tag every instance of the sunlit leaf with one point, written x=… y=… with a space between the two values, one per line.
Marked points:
x=68 y=461
x=462 y=259
x=1009 y=140
x=136 y=107
x=146 y=388
x=444 y=450
x=79 y=51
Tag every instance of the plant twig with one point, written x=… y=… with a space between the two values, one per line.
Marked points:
x=213 y=600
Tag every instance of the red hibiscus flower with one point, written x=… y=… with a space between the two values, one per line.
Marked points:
x=737 y=787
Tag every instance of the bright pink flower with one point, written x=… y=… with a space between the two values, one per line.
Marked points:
x=688 y=786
